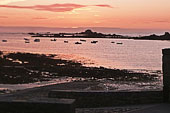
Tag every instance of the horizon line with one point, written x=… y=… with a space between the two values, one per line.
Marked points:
x=87 y=27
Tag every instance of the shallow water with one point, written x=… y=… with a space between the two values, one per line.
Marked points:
x=132 y=54
x=138 y=55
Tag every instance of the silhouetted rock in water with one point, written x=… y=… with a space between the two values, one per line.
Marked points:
x=89 y=34
x=88 y=31
x=166 y=36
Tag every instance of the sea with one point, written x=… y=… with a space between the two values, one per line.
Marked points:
x=135 y=55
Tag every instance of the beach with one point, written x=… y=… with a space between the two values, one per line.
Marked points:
x=28 y=68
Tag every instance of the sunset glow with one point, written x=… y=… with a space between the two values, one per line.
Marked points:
x=152 y=14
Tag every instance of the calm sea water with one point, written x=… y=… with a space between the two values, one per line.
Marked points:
x=131 y=54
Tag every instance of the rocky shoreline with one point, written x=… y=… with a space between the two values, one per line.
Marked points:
x=19 y=68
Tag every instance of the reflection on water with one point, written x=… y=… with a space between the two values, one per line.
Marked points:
x=138 y=55
x=131 y=54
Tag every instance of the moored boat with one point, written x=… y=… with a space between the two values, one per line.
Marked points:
x=65 y=41
x=53 y=39
x=26 y=39
x=4 y=40
x=36 y=40
x=82 y=40
x=119 y=43
x=94 y=42
x=78 y=43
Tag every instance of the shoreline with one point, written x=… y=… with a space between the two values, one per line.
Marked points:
x=41 y=67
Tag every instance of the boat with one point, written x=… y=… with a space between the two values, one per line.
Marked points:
x=65 y=41
x=26 y=39
x=94 y=42
x=78 y=43
x=119 y=43
x=53 y=39
x=36 y=40
x=4 y=40
x=112 y=42
x=82 y=40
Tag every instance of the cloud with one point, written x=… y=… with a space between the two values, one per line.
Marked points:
x=3 y=2
x=156 y=21
x=103 y=5
x=39 y=18
x=53 y=7
x=162 y=21
x=3 y=17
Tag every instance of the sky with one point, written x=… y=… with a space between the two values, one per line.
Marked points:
x=136 y=14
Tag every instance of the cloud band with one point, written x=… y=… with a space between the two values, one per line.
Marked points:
x=54 y=7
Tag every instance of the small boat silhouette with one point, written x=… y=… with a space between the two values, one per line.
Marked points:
x=82 y=40
x=112 y=42
x=78 y=43
x=119 y=43
x=26 y=39
x=4 y=40
x=53 y=39
x=94 y=42
x=65 y=41
x=36 y=40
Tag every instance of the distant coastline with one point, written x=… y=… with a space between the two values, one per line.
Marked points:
x=165 y=36
x=86 y=34
x=106 y=30
x=90 y=34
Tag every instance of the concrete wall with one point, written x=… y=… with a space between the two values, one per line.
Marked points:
x=102 y=98
x=45 y=105
x=166 y=73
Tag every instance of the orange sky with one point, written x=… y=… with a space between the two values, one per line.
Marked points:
x=86 y=13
